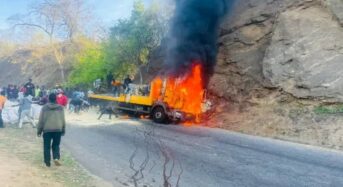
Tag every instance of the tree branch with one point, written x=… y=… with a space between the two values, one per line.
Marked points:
x=33 y=25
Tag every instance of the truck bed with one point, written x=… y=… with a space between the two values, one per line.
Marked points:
x=133 y=99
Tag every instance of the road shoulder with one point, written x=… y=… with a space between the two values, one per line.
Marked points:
x=22 y=165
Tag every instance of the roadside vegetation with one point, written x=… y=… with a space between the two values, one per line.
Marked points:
x=126 y=50
x=84 y=50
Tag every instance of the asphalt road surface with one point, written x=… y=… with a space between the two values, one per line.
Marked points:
x=134 y=153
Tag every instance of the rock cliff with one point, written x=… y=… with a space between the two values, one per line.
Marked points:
x=306 y=54
x=289 y=45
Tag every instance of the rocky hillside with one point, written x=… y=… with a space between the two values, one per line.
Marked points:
x=21 y=65
x=294 y=47
x=289 y=45
x=280 y=67
x=279 y=71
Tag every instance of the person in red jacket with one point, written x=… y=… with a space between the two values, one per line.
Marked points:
x=62 y=99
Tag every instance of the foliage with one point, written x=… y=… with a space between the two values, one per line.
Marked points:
x=59 y=20
x=333 y=109
x=132 y=40
x=89 y=64
x=7 y=49
x=127 y=49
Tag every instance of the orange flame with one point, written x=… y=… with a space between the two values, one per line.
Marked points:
x=182 y=93
x=144 y=116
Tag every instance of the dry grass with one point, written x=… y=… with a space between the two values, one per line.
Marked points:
x=24 y=145
x=297 y=121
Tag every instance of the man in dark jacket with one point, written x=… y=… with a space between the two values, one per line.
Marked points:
x=52 y=125
x=30 y=88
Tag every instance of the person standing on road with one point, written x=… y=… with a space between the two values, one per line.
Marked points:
x=10 y=92
x=25 y=105
x=52 y=124
x=16 y=92
x=30 y=88
x=37 y=92
x=61 y=98
x=2 y=104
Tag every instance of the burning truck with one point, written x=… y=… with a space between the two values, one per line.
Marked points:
x=180 y=94
x=176 y=99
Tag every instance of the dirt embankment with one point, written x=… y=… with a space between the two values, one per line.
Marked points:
x=284 y=117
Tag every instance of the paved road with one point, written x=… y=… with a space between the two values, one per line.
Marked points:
x=145 y=154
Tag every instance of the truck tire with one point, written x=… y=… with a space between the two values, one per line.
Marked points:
x=159 y=115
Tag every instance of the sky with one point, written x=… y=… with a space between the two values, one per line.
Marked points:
x=107 y=10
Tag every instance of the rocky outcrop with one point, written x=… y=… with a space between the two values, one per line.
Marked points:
x=306 y=54
x=244 y=38
x=290 y=45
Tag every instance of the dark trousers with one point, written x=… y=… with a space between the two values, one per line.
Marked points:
x=1 y=121
x=52 y=141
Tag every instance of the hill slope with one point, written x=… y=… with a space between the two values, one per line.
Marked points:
x=19 y=67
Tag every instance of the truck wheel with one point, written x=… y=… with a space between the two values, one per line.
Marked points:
x=159 y=115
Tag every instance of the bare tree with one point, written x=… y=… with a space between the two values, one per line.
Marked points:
x=60 y=20
x=74 y=15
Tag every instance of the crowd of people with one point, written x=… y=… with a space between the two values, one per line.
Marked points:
x=15 y=93
x=51 y=123
x=73 y=100
x=25 y=96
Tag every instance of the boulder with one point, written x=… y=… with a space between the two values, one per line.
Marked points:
x=244 y=38
x=305 y=56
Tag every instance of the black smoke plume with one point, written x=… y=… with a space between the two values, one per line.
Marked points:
x=193 y=35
